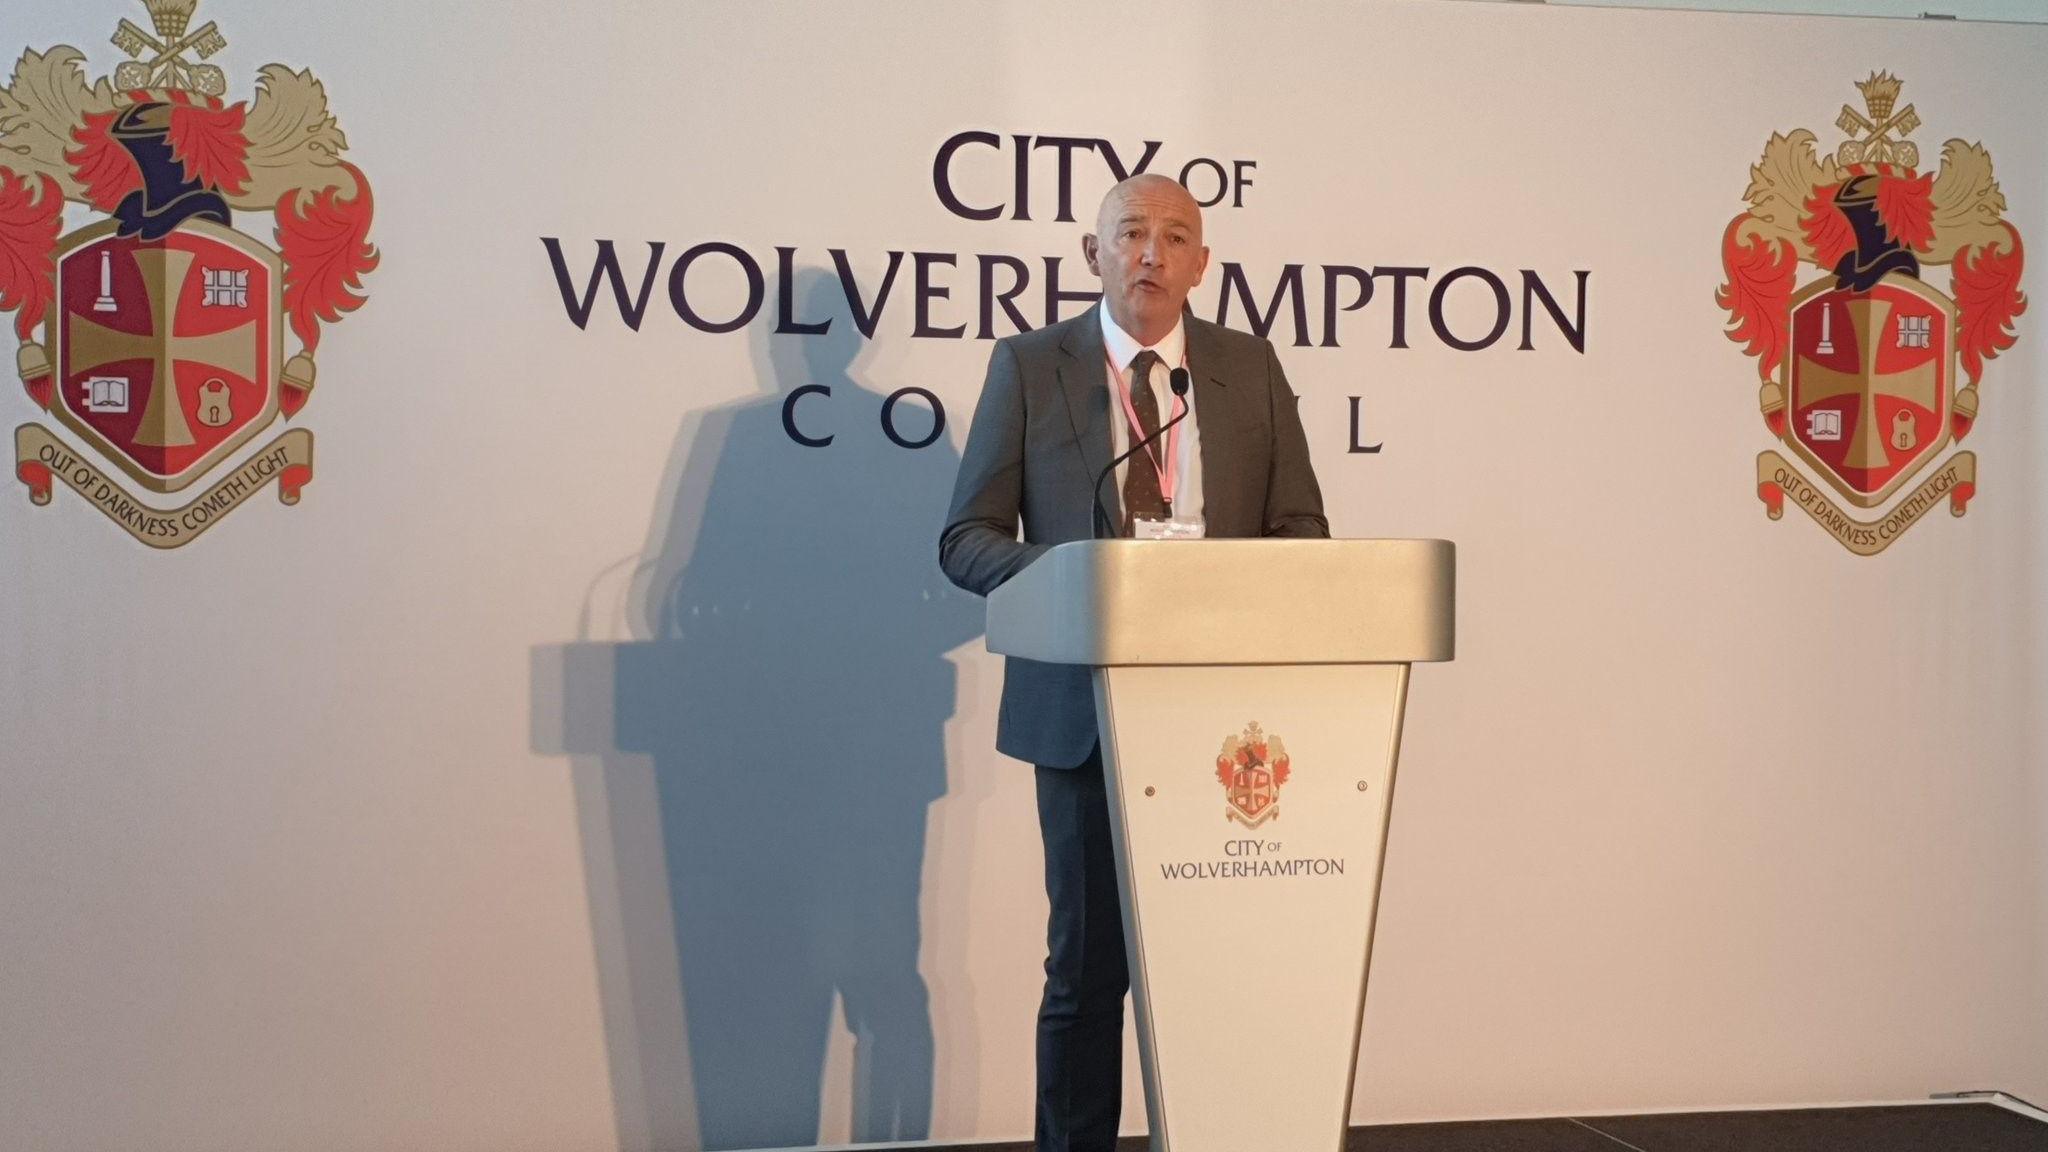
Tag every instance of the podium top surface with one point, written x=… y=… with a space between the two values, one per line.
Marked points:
x=1116 y=602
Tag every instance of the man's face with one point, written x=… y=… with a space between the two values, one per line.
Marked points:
x=1147 y=248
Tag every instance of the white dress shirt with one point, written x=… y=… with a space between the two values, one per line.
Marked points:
x=1122 y=348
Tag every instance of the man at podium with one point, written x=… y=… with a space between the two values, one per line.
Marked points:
x=1220 y=452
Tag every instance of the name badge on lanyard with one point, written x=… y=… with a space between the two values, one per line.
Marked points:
x=1172 y=528
x=1168 y=471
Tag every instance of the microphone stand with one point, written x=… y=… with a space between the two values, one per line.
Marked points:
x=1179 y=382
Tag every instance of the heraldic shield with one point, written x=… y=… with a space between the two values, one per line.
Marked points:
x=167 y=351
x=1871 y=382
x=1252 y=793
x=1252 y=767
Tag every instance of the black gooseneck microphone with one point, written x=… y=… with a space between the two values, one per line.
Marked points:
x=1178 y=380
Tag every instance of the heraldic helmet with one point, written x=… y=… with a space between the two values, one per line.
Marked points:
x=1877 y=251
x=168 y=197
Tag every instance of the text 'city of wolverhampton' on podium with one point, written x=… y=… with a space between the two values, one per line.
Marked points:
x=1250 y=696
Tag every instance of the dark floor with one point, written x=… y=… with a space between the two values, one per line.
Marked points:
x=1906 y=1128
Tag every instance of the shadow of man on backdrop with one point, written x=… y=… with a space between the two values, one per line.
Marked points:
x=792 y=696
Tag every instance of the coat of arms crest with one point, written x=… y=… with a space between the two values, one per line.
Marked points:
x=1252 y=767
x=163 y=326
x=1869 y=372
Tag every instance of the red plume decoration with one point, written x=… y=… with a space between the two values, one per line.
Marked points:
x=1986 y=283
x=1906 y=206
x=326 y=252
x=101 y=164
x=1827 y=230
x=28 y=236
x=209 y=142
x=1761 y=273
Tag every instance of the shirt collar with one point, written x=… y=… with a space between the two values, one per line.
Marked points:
x=1122 y=346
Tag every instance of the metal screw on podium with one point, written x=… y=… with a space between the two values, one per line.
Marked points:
x=1361 y=785
x=1149 y=790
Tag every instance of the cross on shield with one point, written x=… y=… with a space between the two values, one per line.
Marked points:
x=1871 y=383
x=167 y=352
x=1252 y=792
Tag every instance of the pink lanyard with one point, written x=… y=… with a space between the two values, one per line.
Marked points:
x=1169 y=476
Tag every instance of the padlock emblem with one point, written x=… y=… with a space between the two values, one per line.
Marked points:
x=1905 y=432
x=215 y=410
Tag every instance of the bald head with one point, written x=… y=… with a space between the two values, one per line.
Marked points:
x=1149 y=187
x=1147 y=248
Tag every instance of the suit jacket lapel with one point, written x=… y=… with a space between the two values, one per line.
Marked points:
x=1221 y=484
x=1084 y=381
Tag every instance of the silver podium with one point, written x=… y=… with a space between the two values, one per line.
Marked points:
x=1250 y=695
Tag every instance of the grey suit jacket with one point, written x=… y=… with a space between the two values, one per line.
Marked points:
x=1041 y=434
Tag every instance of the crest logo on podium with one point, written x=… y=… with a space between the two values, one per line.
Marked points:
x=1869 y=371
x=163 y=325
x=1252 y=767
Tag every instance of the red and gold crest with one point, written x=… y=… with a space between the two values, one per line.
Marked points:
x=1869 y=371
x=163 y=324
x=1251 y=767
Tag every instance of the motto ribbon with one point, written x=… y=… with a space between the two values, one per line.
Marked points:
x=40 y=459
x=1777 y=480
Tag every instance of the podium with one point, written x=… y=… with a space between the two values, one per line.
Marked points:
x=1250 y=695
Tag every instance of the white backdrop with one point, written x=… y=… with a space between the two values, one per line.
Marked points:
x=585 y=764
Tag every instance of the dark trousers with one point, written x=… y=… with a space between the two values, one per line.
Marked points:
x=1081 y=1018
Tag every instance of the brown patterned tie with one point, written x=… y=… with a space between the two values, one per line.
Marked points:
x=1141 y=479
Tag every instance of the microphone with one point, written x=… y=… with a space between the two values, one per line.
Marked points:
x=1178 y=381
